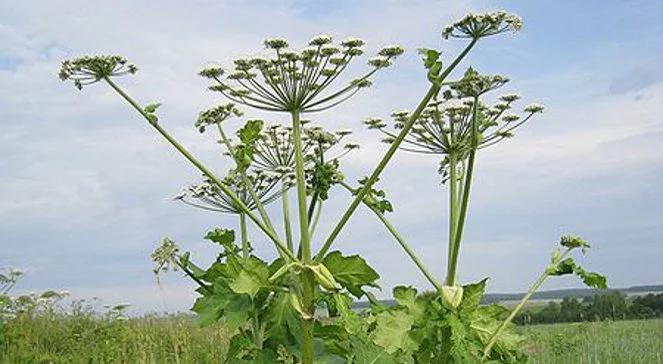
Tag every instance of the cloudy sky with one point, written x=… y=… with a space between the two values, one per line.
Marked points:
x=86 y=186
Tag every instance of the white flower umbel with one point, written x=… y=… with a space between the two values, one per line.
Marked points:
x=297 y=81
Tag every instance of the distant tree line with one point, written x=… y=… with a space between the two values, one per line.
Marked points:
x=611 y=306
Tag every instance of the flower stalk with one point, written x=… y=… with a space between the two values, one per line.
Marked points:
x=150 y=118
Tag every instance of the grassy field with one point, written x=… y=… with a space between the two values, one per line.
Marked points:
x=76 y=339
x=597 y=342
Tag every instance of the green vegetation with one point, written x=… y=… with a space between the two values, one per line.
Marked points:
x=87 y=338
x=269 y=307
x=612 y=306
x=622 y=342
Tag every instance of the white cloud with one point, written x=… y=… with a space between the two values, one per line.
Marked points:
x=84 y=159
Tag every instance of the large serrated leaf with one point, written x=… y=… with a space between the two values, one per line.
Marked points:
x=472 y=295
x=351 y=272
x=392 y=331
x=283 y=320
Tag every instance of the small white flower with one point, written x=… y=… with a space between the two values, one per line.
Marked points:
x=534 y=108
x=510 y=97
x=352 y=42
x=321 y=39
x=391 y=51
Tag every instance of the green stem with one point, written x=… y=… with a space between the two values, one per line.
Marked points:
x=434 y=89
x=205 y=171
x=376 y=173
x=453 y=263
x=301 y=188
x=308 y=297
x=189 y=273
x=409 y=251
x=246 y=181
x=402 y=242
x=311 y=207
x=453 y=204
x=316 y=219
x=285 y=201
x=537 y=284
x=245 y=239
x=307 y=279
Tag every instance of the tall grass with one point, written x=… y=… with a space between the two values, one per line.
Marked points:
x=85 y=338
x=618 y=342
x=58 y=338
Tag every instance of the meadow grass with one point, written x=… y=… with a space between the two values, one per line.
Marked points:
x=87 y=339
x=617 y=342
x=57 y=338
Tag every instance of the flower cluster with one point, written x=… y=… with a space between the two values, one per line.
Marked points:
x=88 y=70
x=164 y=256
x=275 y=150
x=474 y=84
x=477 y=26
x=292 y=80
x=216 y=115
x=209 y=196
x=446 y=125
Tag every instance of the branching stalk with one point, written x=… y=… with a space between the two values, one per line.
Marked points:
x=285 y=204
x=523 y=301
x=408 y=250
x=206 y=172
x=247 y=183
x=434 y=89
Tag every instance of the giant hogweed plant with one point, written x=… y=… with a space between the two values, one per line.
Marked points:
x=270 y=307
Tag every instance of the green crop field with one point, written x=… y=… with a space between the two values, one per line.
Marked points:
x=84 y=339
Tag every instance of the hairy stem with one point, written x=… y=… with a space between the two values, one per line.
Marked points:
x=275 y=239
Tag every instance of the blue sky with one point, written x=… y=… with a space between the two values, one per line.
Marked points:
x=86 y=186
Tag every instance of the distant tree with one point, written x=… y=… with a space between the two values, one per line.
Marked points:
x=649 y=306
x=571 y=310
x=610 y=306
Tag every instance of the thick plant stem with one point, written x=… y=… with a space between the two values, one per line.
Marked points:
x=301 y=188
x=434 y=89
x=307 y=279
x=245 y=239
x=465 y=199
x=537 y=284
x=269 y=232
x=453 y=205
x=308 y=297
x=285 y=204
